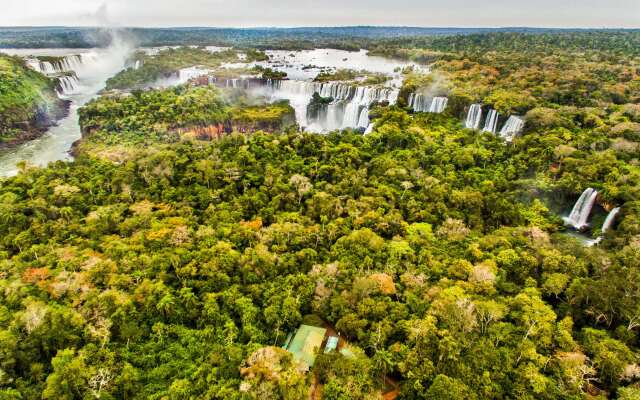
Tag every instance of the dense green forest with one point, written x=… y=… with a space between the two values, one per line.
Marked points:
x=28 y=101
x=196 y=228
x=348 y=37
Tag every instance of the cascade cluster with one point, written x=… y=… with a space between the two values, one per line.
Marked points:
x=64 y=64
x=510 y=129
x=349 y=106
x=579 y=217
x=421 y=103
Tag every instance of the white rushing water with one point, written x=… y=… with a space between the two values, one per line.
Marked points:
x=92 y=69
x=349 y=107
x=491 y=123
x=474 y=116
x=438 y=105
x=418 y=102
x=511 y=128
x=82 y=73
x=581 y=211
x=611 y=218
x=67 y=85
x=608 y=223
x=67 y=63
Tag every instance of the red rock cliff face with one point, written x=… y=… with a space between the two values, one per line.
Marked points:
x=209 y=132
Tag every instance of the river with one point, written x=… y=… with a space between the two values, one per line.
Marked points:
x=98 y=65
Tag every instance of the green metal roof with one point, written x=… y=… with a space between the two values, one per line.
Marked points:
x=305 y=342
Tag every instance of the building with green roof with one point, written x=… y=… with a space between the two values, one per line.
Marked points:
x=305 y=343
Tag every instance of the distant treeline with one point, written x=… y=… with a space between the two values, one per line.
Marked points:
x=348 y=38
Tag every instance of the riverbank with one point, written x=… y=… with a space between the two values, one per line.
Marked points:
x=29 y=103
x=28 y=131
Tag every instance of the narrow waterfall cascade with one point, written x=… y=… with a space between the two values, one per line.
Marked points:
x=608 y=223
x=611 y=218
x=363 y=121
x=138 y=64
x=491 y=123
x=438 y=105
x=579 y=216
x=474 y=116
x=418 y=102
x=511 y=128
x=67 y=84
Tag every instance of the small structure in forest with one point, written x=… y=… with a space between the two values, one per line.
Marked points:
x=305 y=342
x=332 y=344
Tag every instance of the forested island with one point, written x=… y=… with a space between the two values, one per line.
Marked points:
x=201 y=228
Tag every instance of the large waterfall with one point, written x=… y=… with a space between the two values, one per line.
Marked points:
x=63 y=69
x=474 y=116
x=349 y=107
x=58 y=66
x=511 y=128
x=582 y=209
x=491 y=123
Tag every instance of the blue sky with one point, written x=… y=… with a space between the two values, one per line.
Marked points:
x=248 y=13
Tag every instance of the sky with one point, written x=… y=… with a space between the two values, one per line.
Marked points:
x=286 y=13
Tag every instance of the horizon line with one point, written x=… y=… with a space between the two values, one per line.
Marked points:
x=314 y=27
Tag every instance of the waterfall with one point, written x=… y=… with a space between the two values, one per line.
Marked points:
x=608 y=222
x=491 y=123
x=363 y=121
x=349 y=107
x=418 y=102
x=298 y=93
x=356 y=112
x=138 y=64
x=57 y=66
x=438 y=104
x=474 y=116
x=511 y=128
x=582 y=209
x=66 y=84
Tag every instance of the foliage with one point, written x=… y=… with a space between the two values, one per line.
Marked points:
x=436 y=251
x=25 y=97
